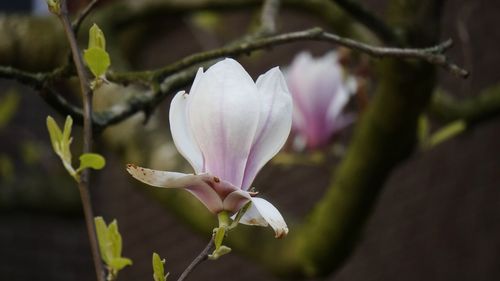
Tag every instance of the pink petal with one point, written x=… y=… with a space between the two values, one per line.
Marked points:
x=235 y=200
x=275 y=121
x=337 y=104
x=198 y=185
x=224 y=113
x=181 y=132
x=263 y=213
x=197 y=78
x=317 y=88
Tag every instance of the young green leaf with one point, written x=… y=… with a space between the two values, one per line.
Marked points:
x=223 y=250
x=54 y=133
x=66 y=142
x=449 y=131
x=159 y=268
x=96 y=38
x=115 y=238
x=66 y=134
x=91 y=160
x=61 y=142
x=8 y=107
x=119 y=263
x=97 y=60
x=219 y=237
x=110 y=245
x=102 y=238
x=96 y=57
x=54 y=6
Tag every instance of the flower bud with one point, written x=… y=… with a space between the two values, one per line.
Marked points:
x=54 y=6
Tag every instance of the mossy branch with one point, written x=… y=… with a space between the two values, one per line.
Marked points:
x=472 y=110
x=369 y=20
x=176 y=75
x=433 y=55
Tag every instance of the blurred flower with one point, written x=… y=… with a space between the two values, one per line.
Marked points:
x=320 y=92
x=228 y=127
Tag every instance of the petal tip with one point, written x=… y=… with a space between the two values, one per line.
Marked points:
x=131 y=167
x=281 y=233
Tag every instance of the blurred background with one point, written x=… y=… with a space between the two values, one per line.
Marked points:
x=437 y=216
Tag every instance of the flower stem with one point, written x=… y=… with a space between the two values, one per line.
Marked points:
x=224 y=219
x=201 y=257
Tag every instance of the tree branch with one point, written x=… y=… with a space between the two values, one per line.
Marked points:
x=183 y=71
x=83 y=184
x=200 y=258
x=75 y=25
x=472 y=110
x=39 y=82
x=434 y=55
x=369 y=20
x=20 y=51
x=34 y=80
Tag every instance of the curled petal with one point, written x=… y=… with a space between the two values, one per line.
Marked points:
x=275 y=121
x=181 y=131
x=235 y=200
x=224 y=113
x=263 y=213
x=199 y=185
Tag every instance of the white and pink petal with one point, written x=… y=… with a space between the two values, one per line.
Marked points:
x=223 y=115
x=181 y=131
x=236 y=200
x=263 y=213
x=275 y=121
x=198 y=185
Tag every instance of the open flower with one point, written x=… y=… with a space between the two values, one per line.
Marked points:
x=319 y=93
x=228 y=127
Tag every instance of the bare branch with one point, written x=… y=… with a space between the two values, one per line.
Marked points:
x=433 y=55
x=200 y=258
x=75 y=25
x=34 y=80
x=369 y=20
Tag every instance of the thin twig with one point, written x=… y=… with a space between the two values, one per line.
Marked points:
x=433 y=55
x=200 y=258
x=38 y=81
x=84 y=13
x=27 y=78
x=87 y=138
x=369 y=20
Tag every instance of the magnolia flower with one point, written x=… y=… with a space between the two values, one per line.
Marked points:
x=227 y=128
x=319 y=93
